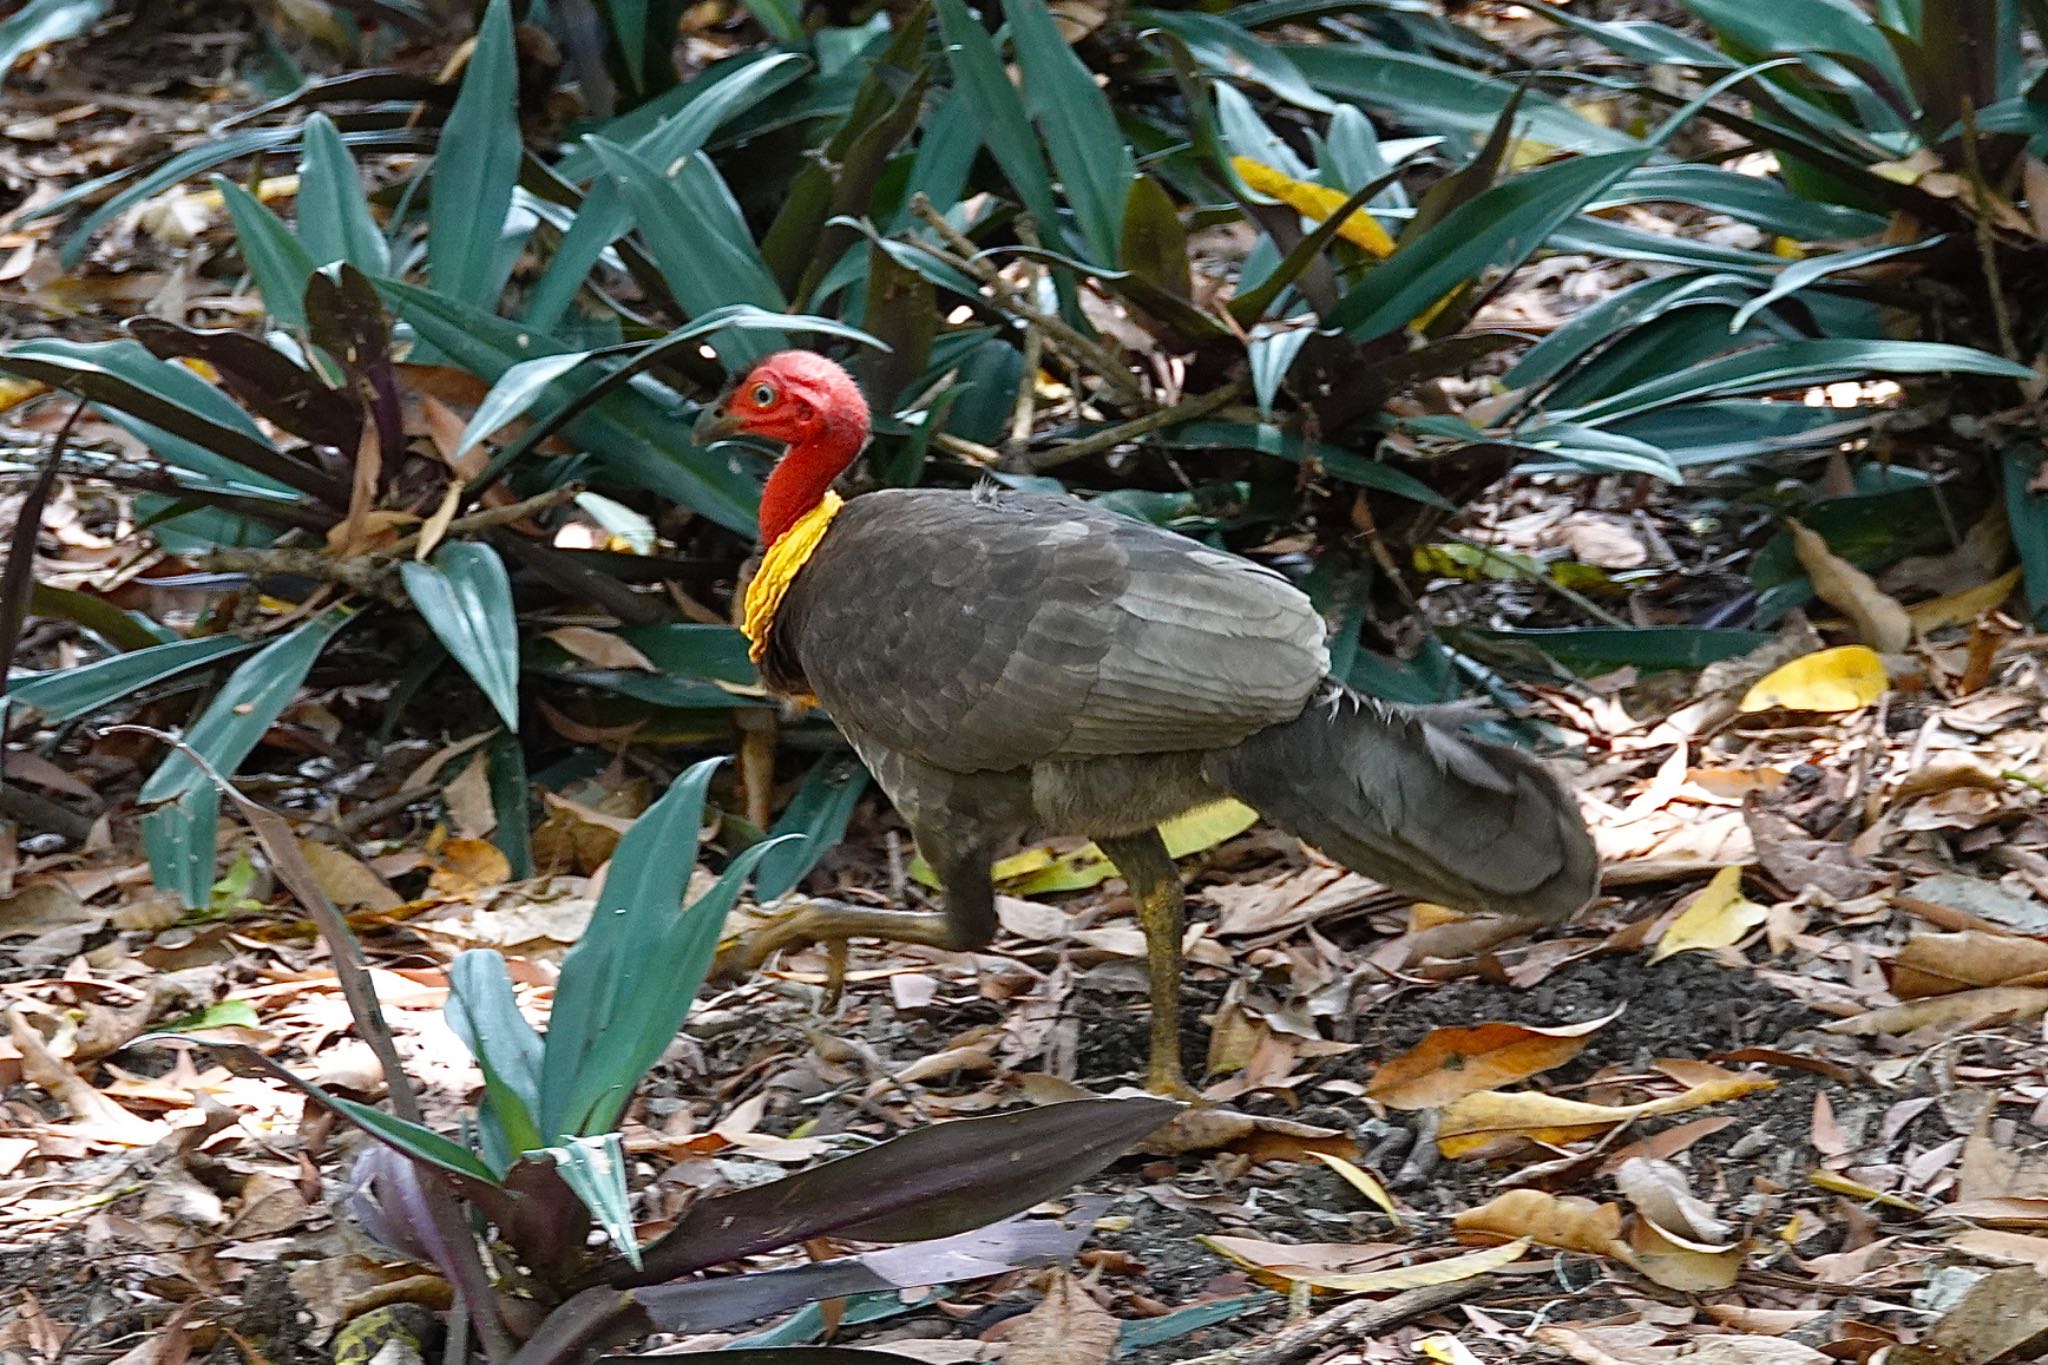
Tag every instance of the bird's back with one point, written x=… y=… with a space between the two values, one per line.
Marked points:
x=992 y=630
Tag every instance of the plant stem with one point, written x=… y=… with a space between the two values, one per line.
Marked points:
x=1187 y=410
x=965 y=256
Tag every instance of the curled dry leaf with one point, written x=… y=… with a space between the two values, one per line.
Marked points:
x=1957 y=1013
x=1718 y=918
x=1847 y=678
x=1067 y=1328
x=1879 y=620
x=1452 y=1062
x=1659 y=1192
x=1566 y=1222
x=1274 y=1260
x=1941 y=964
x=1473 y=1123
x=1949 y=770
x=1259 y=1136
x=2003 y=1248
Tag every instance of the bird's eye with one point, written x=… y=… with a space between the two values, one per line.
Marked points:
x=763 y=395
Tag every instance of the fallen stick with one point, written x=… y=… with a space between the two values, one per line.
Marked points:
x=1349 y=1323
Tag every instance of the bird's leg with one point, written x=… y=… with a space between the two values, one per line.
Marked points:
x=1155 y=885
x=968 y=920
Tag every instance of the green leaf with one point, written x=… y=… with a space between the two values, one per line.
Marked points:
x=224 y=1014
x=122 y=376
x=1442 y=97
x=476 y=167
x=1600 y=649
x=993 y=106
x=65 y=694
x=693 y=229
x=275 y=256
x=636 y=440
x=1592 y=449
x=511 y=802
x=614 y=968
x=40 y=23
x=1270 y=439
x=1753 y=199
x=595 y=1168
x=2027 y=512
x=699 y=667
x=333 y=213
x=1800 y=274
x=1088 y=148
x=179 y=833
x=466 y=596
x=293 y=399
x=935 y=1182
x=818 y=813
x=483 y=1013
x=1767 y=369
x=1501 y=228
x=779 y=17
x=604 y=216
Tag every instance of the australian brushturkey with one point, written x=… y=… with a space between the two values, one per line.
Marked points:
x=1004 y=661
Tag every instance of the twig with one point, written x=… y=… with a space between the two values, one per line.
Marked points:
x=39 y=812
x=1352 y=1321
x=964 y=255
x=974 y=452
x=1024 y=413
x=1187 y=410
x=373 y=574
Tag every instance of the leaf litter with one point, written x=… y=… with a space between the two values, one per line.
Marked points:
x=1780 y=1098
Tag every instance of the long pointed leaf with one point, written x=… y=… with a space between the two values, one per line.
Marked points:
x=68 y=693
x=935 y=1182
x=179 y=834
x=333 y=214
x=466 y=596
x=476 y=168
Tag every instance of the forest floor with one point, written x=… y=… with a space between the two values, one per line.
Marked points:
x=1780 y=1095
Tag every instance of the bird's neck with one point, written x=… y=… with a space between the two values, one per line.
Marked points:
x=803 y=477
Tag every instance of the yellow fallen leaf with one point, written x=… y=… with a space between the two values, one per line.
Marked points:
x=1040 y=871
x=1847 y=678
x=1472 y=1123
x=1314 y=202
x=14 y=392
x=1566 y=1222
x=1364 y=1182
x=1880 y=621
x=465 y=867
x=1961 y=608
x=1460 y=1061
x=1942 y=964
x=1717 y=918
x=1856 y=1189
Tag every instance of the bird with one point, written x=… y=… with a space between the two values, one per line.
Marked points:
x=1006 y=661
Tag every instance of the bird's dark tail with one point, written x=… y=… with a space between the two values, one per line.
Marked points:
x=1406 y=799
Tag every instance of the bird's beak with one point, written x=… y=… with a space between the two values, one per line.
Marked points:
x=714 y=423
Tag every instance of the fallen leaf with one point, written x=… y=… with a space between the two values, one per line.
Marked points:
x=465 y=867
x=346 y=879
x=1940 y=964
x=2003 y=1212
x=600 y=648
x=1957 y=1013
x=1847 y=678
x=1634 y=1344
x=2006 y=1248
x=1260 y=1136
x=1566 y=1222
x=1364 y=1182
x=98 y=1117
x=1316 y=203
x=1961 y=608
x=1068 y=1327
x=1313 y=1264
x=1659 y=1192
x=1041 y=871
x=1469 y=1124
x=2004 y=1316
x=1451 y=1062
x=1879 y=620
x=1718 y=918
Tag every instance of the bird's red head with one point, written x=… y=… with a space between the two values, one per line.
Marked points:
x=810 y=404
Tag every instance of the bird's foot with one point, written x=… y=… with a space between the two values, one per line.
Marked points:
x=1169 y=1083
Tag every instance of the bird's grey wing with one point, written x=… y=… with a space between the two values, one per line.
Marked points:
x=978 y=633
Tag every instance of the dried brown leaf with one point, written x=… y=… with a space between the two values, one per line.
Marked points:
x=1451 y=1062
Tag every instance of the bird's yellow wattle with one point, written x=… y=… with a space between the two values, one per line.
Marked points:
x=779 y=567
